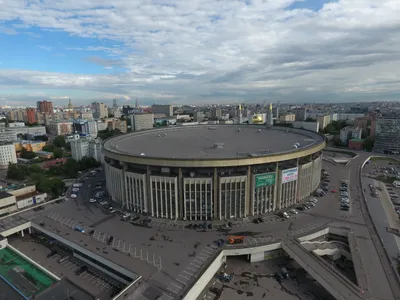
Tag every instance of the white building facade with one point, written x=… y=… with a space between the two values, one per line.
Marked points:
x=7 y=155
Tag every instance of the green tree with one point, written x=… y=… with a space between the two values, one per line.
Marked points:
x=34 y=169
x=58 y=152
x=27 y=154
x=59 y=141
x=15 y=172
x=330 y=129
x=48 y=148
x=71 y=168
x=369 y=143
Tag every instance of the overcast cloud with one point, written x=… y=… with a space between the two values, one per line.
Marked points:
x=208 y=51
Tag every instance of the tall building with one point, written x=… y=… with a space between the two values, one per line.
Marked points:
x=45 y=107
x=86 y=147
x=387 y=136
x=349 y=133
x=85 y=127
x=142 y=121
x=60 y=127
x=7 y=155
x=323 y=121
x=100 y=110
x=115 y=105
x=167 y=109
x=270 y=116
x=301 y=114
x=216 y=113
x=70 y=106
x=31 y=115
x=117 y=124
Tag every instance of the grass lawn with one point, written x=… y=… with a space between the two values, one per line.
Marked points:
x=389 y=159
x=386 y=179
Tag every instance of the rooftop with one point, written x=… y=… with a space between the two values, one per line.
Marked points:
x=212 y=142
x=4 y=195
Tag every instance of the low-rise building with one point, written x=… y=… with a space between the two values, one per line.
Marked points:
x=33 y=146
x=7 y=154
x=40 y=130
x=45 y=154
x=356 y=144
x=8 y=203
x=7 y=135
x=348 y=133
x=142 y=121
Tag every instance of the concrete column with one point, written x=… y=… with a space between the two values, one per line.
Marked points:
x=217 y=213
x=180 y=195
x=22 y=233
x=277 y=188
x=149 y=190
x=248 y=193
x=30 y=230
x=297 y=195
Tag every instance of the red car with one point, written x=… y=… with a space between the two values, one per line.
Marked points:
x=334 y=191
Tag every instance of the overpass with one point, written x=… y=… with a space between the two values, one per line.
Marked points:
x=335 y=283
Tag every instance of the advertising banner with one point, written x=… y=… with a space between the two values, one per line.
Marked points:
x=290 y=175
x=266 y=179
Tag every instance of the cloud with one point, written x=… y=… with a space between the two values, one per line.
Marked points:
x=47 y=48
x=8 y=31
x=213 y=51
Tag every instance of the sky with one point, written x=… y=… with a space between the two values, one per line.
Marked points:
x=199 y=51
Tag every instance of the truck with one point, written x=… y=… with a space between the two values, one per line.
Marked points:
x=235 y=239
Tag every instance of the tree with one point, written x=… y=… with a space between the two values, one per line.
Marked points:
x=309 y=119
x=369 y=143
x=58 y=152
x=15 y=172
x=33 y=169
x=27 y=154
x=48 y=148
x=71 y=168
x=59 y=141
x=330 y=129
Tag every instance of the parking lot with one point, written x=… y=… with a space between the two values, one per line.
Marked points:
x=94 y=282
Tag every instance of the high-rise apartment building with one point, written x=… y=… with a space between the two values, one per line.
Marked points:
x=168 y=110
x=86 y=147
x=31 y=115
x=45 y=107
x=349 y=133
x=100 y=110
x=7 y=154
x=387 y=135
x=142 y=121
x=85 y=127
x=60 y=127
x=301 y=114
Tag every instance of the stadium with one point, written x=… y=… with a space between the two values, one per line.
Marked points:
x=212 y=172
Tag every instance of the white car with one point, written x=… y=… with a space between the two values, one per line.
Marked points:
x=293 y=211
x=92 y=200
x=73 y=196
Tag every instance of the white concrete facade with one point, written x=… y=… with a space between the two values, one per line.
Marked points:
x=136 y=192
x=198 y=199
x=164 y=197
x=7 y=155
x=232 y=196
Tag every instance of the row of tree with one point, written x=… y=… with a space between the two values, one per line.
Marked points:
x=50 y=181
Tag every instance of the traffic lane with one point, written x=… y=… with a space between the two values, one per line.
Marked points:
x=380 y=219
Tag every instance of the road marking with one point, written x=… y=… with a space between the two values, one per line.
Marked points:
x=179 y=287
x=197 y=266
x=167 y=296
x=87 y=274
x=175 y=292
x=104 y=238
x=200 y=262
x=187 y=278
x=205 y=250
x=201 y=258
x=184 y=283
x=191 y=274
x=191 y=269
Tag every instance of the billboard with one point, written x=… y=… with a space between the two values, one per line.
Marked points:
x=266 y=179
x=290 y=175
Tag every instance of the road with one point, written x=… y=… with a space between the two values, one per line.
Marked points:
x=383 y=280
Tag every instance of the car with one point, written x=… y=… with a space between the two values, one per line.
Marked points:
x=312 y=204
x=293 y=211
x=333 y=191
x=256 y=221
x=110 y=240
x=314 y=200
x=91 y=200
x=91 y=231
x=52 y=254
x=300 y=208
x=327 y=180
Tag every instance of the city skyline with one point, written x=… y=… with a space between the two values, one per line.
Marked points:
x=199 y=52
